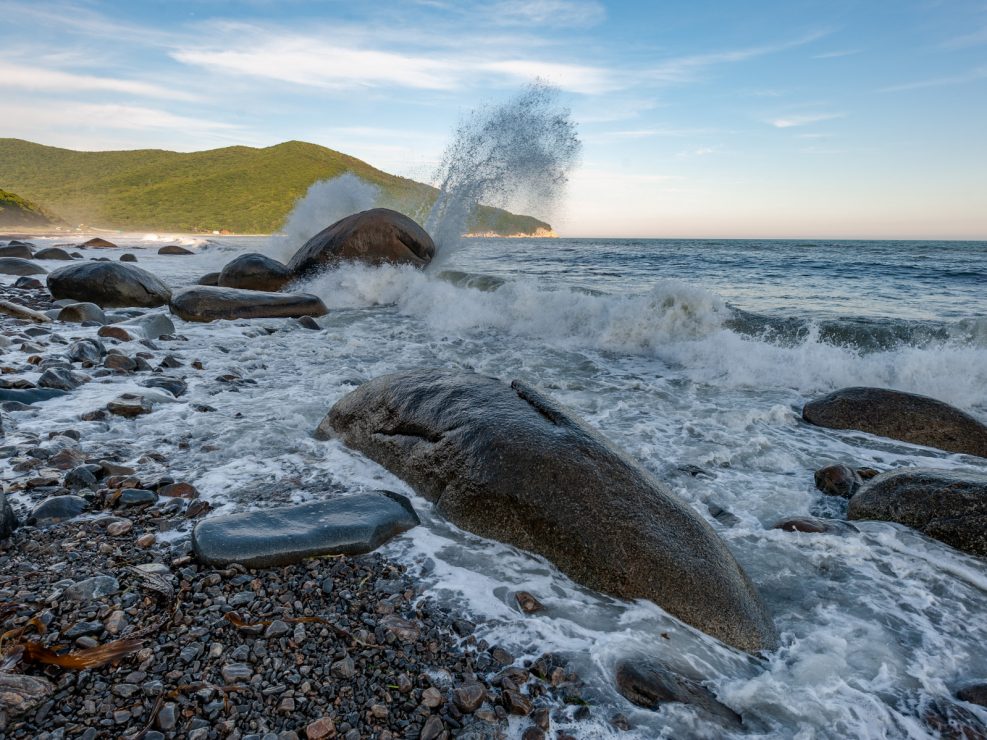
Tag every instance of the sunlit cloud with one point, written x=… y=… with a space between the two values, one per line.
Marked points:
x=39 y=79
x=837 y=54
x=570 y=13
x=804 y=120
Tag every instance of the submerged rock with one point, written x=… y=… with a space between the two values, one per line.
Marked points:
x=29 y=395
x=974 y=692
x=254 y=272
x=98 y=243
x=814 y=525
x=152 y=325
x=212 y=304
x=18 y=266
x=838 y=480
x=511 y=464
x=128 y=257
x=108 y=285
x=129 y=405
x=18 y=249
x=378 y=236
x=903 y=416
x=175 y=250
x=350 y=525
x=946 y=505
x=28 y=283
x=651 y=685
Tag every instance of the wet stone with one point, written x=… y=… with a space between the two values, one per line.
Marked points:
x=90 y=589
x=57 y=509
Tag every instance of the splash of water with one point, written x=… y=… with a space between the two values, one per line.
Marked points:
x=519 y=152
x=323 y=204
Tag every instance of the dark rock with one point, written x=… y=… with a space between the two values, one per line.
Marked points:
x=273 y=537
x=98 y=243
x=838 y=480
x=814 y=525
x=79 y=312
x=375 y=237
x=175 y=250
x=52 y=253
x=18 y=266
x=19 y=250
x=28 y=283
x=119 y=362
x=8 y=519
x=510 y=463
x=210 y=278
x=128 y=257
x=946 y=505
x=114 y=332
x=903 y=416
x=57 y=509
x=129 y=405
x=21 y=694
x=175 y=386
x=255 y=272
x=469 y=697
x=651 y=685
x=29 y=396
x=974 y=692
x=136 y=497
x=527 y=602
x=93 y=588
x=59 y=378
x=108 y=285
x=82 y=476
x=213 y=304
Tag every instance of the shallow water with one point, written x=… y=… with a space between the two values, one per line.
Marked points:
x=683 y=353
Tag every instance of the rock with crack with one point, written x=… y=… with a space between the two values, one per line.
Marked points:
x=350 y=525
x=509 y=463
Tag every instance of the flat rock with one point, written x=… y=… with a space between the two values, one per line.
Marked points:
x=90 y=589
x=79 y=312
x=29 y=395
x=814 y=525
x=212 y=304
x=509 y=463
x=946 y=505
x=254 y=272
x=19 y=266
x=20 y=694
x=903 y=416
x=108 y=285
x=651 y=685
x=350 y=525
x=378 y=236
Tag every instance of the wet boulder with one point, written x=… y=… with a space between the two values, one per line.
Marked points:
x=57 y=509
x=17 y=249
x=652 y=685
x=949 y=506
x=903 y=416
x=350 y=525
x=838 y=480
x=128 y=257
x=108 y=285
x=509 y=463
x=210 y=278
x=814 y=525
x=207 y=303
x=29 y=395
x=254 y=272
x=152 y=325
x=19 y=266
x=8 y=520
x=97 y=243
x=28 y=283
x=378 y=236
x=79 y=312
x=174 y=249
x=52 y=253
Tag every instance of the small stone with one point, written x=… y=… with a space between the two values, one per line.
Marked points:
x=469 y=697
x=501 y=656
x=167 y=717
x=276 y=629
x=116 y=622
x=319 y=729
x=93 y=588
x=236 y=672
x=179 y=490
x=838 y=480
x=119 y=362
x=527 y=603
x=136 y=497
x=344 y=668
x=121 y=527
x=379 y=711
x=287 y=705
x=533 y=733
x=516 y=703
x=431 y=697
x=146 y=540
x=79 y=629
x=114 y=332
x=81 y=476
x=129 y=405
x=403 y=629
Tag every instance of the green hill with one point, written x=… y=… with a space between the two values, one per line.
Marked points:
x=16 y=212
x=239 y=188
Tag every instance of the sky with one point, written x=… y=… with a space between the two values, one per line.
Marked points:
x=701 y=118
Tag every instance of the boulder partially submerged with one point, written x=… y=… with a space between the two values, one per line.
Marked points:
x=350 y=525
x=378 y=236
x=946 y=505
x=19 y=266
x=206 y=303
x=108 y=285
x=903 y=416
x=98 y=243
x=174 y=249
x=254 y=272
x=17 y=249
x=509 y=463
x=52 y=253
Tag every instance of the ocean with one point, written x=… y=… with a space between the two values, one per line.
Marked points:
x=694 y=356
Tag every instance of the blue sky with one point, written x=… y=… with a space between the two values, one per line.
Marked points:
x=842 y=118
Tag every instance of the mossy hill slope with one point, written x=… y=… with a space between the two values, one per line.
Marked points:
x=239 y=188
x=16 y=212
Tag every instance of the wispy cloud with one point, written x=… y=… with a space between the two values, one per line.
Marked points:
x=960 y=79
x=39 y=79
x=974 y=38
x=836 y=54
x=570 y=13
x=804 y=119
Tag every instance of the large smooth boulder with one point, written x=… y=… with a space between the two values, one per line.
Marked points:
x=17 y=249
x=207 y=303
x=509 y=463
x=174 y=249
x=378 y=236
x=350 y=525
x=52 y=253
x=897 y=415
x=18 y=266
x=254 y=272
x=98 y=243
x=108 y=285
x=949 y=506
